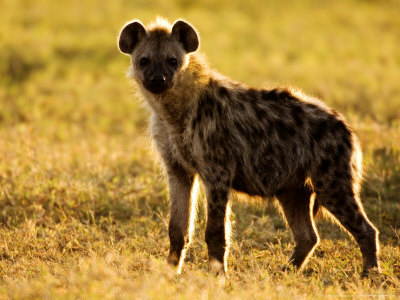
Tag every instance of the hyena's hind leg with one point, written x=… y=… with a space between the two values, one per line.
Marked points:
x=337 y=189
x=182 y=191
x=297 y=203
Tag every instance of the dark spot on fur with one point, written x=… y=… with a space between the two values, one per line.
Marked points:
x=208 y=112
x=342 y=132
x=225 y=131
x=276 y=95
x=350 y=194
x=325 y=164
x=252 y=93
x=329 y=149
x=354 y=222
x=201 y=134
x=284 y=130
x=223 y=92
x=298 y=115
x=219 y=108
x=270 y=95
x=319 y=184
x=348 y=143
x=260 y=112
x=311 y=143
x=320 y=129
x=270 y=150
x=338 y=174
x=339 y=127
x=340 y=151
x=199 y=116
x=209 y=101
x=338 y=200
x=338 y=212
x=207 y=106
x=334 y=185
x=212 y=83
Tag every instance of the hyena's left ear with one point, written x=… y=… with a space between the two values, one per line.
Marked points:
x=130 y=36
x=186 y=34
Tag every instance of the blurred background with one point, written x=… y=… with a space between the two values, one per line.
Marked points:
x=346 y=52
x=76 y=165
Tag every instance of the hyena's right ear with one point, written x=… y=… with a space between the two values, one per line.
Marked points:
x=185 y=34
x=130 y=35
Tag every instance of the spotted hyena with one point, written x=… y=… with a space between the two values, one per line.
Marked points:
x=262 y=142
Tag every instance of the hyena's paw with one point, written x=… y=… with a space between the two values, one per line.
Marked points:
x=289 y=268
x=370 y=273
x=218 y=270
x=173 y=259
x=216 y=267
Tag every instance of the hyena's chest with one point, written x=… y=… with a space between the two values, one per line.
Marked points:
x=183 y=152
x=196 y=150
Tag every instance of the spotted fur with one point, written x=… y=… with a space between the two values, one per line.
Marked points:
x=262 y=142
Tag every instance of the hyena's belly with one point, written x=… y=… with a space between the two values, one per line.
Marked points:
x=263 y=180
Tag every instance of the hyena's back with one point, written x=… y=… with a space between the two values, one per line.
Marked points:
x=273 y=137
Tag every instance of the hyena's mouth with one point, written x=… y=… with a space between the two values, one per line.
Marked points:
x=156 y=89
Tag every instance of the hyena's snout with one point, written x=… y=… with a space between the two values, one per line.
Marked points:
x=157 y=83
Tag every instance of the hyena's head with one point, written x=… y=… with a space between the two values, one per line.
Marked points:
x=159 y=52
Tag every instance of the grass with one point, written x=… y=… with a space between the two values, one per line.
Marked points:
x=83 y=205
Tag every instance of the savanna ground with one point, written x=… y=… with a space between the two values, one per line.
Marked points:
x=83 y=205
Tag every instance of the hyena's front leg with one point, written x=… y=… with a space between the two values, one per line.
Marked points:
x=181 y=222
x=217 y=228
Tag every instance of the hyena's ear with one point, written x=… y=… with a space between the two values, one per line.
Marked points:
x=187 y=35
x=130 y=35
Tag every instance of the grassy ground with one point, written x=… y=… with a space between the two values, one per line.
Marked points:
x=83 y=207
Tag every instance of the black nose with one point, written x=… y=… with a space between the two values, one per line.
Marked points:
x=158 y=79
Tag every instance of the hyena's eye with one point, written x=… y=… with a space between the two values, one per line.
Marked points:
x=172 y=62
x=144 y=61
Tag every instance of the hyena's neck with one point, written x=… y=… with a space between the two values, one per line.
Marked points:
x=175 y=106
